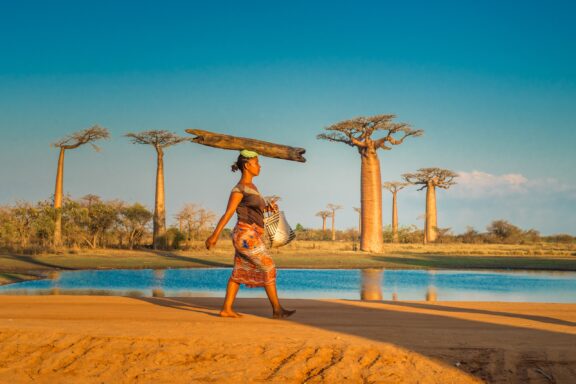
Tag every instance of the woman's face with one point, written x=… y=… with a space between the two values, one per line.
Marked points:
x=253 y=166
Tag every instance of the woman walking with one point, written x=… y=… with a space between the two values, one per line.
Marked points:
x=253 y=266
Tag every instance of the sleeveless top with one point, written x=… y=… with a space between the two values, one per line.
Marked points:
x=251 y=207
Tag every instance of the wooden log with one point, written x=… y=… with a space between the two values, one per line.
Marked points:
x=264 y=148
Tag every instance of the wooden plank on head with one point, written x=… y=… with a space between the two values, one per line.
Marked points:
x=264 y=148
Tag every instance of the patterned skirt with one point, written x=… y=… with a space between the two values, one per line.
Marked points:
x=253 y=267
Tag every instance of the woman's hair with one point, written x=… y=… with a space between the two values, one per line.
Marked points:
x=240 y=163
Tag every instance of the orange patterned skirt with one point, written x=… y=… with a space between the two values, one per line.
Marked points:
x=253 y=266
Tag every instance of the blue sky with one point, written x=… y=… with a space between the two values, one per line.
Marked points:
x=493 y=84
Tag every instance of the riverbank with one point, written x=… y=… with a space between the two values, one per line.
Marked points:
x=88 y=339
x=300 y=254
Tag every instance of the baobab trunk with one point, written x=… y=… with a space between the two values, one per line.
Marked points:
x=333 y=227
x=394 y=219
x=371 y=200
x=323 y=224
x=159 y=232
x=431 y=215
x=58 y=192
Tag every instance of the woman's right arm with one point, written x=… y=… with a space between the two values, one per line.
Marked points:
x=233 y=201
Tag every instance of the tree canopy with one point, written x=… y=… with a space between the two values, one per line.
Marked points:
x=357 y=132
x=85 y=136
x=324 y=214
x=333 y=207
x=159 y=139
x=438 y=177
x=394 y=186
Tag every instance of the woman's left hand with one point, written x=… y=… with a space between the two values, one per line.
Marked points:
x=211 y=242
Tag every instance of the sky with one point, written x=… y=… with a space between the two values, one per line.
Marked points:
x=492 y=84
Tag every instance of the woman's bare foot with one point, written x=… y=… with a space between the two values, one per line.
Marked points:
x=283 y=313
x=229 y=313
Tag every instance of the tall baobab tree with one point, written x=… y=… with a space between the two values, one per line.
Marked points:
x=333 y=208
x=72 y=141
x=431 y=178
x=324 y=215
x=160 y=140
x=394 y=187
x=358 y=133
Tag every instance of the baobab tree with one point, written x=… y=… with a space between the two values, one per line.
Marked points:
x=358 y=133
x=159 y=139
x=72 y=141
x=431 y=178
x=394 y=187
x=324 y=215
x=333 y=208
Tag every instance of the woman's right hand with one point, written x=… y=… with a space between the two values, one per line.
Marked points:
x=211 y=242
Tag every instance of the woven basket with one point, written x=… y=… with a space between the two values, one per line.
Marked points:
x=278 y=231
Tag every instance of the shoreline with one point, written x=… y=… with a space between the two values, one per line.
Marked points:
x=28 y=275
x=543 y=257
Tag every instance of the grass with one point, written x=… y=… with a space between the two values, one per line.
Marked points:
x=302 y=254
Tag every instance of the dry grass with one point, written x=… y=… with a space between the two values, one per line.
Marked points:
x=538 y=249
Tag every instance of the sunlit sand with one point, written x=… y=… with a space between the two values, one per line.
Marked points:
x=89 y=339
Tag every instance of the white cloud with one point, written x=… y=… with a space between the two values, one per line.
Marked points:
x=478 y=184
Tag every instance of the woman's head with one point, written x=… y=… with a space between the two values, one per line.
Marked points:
x=247 y=162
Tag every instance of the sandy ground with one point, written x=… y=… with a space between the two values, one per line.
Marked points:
x=91 y=339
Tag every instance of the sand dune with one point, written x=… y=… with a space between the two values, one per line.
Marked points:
x=90 y=339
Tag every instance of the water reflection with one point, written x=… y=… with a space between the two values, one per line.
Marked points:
x=369 y=284
x=55 y=277
x=372 y=282
x=159 y=275
x=431 y=294
x=81 y=292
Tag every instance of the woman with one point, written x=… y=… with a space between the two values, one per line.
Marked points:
x=253 y=266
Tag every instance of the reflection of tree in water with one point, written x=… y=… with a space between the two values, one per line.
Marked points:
x=158 y=290
x=373 y=279
x=55 y=277
x=371 y=288
x=431 y=294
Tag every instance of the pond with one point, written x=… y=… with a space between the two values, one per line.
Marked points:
x=370 y=284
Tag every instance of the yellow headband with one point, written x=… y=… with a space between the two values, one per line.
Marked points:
x=248 y=154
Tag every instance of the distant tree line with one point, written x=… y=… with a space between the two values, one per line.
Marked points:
x=497 y=232
x=90 y=222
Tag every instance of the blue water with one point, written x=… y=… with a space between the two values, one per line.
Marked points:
x=559 y=287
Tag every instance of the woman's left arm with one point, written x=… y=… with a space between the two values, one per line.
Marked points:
x=233 y=202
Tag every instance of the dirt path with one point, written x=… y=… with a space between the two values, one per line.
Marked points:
x=91 y=339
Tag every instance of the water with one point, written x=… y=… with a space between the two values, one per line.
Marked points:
x=444 y=285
